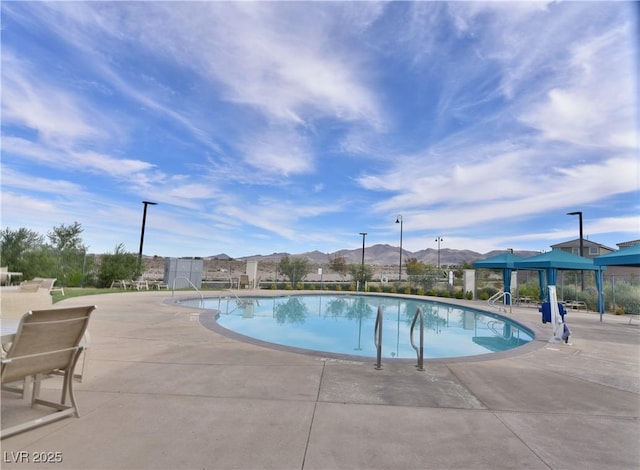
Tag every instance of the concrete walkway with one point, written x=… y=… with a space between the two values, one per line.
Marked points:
x=164 y=392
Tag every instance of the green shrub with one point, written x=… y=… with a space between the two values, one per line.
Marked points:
x=487 y=292
x=626 y=297
x=116 y=266
x=530 y=289
x=469 y=295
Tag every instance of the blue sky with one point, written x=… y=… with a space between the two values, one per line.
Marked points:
x=269 y=127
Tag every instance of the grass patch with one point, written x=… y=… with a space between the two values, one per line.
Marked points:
x=82 y=291
x=70 y=292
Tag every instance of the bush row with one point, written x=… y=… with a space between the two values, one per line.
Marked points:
x=387 y=289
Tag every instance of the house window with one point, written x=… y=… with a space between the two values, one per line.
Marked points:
x=594 y=250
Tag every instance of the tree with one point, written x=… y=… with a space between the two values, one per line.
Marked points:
x=66 y=242
x=24 y=251
x=338 y=264
x=429 y=277
x=14 y=243
x=295 y=269
x=415 y=267
x=117 y=266
x=67 y=237
x=357 y=273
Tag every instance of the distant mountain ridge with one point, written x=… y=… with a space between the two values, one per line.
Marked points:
x=383 y=254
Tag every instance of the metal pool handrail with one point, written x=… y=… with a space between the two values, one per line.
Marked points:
x=419 y=349
x=232 y=293
x=377 y=337
x=173 y=290
x=506 y=296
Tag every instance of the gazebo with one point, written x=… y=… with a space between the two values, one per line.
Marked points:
x=629 y=256
x=506 y=262
x=547 y=264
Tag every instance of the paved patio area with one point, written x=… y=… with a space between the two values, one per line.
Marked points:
x=164 y=392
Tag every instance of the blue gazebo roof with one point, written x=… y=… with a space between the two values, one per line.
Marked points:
x=501 y=261
x=629 y=256
x=556 y=259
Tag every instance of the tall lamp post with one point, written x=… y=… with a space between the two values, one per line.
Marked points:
x=363 y=236
x=144 y=221
x=439 y=239
x=399 y=221
x=579 y=214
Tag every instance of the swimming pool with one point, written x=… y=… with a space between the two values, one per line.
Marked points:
x=344 y=324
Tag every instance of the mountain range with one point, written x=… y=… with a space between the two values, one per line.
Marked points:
x=382 y=255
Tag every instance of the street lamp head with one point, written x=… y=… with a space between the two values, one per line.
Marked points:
x=149 y=202
x=575 y=213
x=362 y=233
x=399 y=219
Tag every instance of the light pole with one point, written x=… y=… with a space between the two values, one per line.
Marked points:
x=399 y=221
x=579 y=214
x=363 y=236
x=439 y=239
x=144 y=221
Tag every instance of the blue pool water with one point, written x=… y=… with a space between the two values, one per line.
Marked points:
x=344 y=325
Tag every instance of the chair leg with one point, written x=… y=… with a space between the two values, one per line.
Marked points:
x=35 y=392
x=68 y=387
x=85 y=356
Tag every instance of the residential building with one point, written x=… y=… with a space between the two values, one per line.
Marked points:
x=591 y=249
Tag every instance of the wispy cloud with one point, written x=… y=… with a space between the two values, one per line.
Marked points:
x=294 y=123
x=589 y=108
x=58 y=115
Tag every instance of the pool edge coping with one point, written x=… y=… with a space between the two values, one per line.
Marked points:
x=207 y=319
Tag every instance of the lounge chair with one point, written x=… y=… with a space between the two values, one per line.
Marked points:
x=48 y=284
x=30 y=286
x=46 y=341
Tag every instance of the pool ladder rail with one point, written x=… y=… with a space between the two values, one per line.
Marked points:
x=173 y=288
x=377 y=337
x=506 y=299
x=419 y=315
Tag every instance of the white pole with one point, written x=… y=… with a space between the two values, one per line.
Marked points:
x=556 y=318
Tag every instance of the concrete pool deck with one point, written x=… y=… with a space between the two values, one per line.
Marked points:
x=164 y=392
